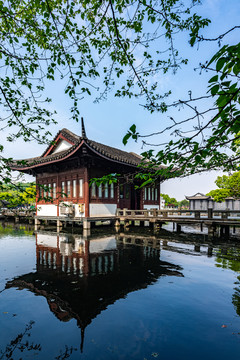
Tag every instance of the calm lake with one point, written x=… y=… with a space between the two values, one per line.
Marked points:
x=118 y=296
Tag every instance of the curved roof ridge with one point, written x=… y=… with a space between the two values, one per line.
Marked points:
x=69 y=135
x=115 y=153
x=65 y=130
x=109 y=152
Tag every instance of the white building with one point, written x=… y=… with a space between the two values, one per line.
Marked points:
x=200 y=201
x=162 y=203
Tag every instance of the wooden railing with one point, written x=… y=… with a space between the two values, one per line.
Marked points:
x=167 y=213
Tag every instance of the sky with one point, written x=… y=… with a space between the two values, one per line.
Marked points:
x=108 y=121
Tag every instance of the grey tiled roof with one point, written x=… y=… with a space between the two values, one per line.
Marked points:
x=109 y=152
x=198 y=196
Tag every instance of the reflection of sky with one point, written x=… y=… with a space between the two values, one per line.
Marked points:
x=204 y=269
x=115 y=115
x=17 y=257
x=179 y=318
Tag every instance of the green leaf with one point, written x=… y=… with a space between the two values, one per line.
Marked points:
x=220 y=63
x=213 y=79
x=133 y=128
x=125 y=139
x=214 y=89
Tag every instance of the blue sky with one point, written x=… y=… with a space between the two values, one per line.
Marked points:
x=108 y=121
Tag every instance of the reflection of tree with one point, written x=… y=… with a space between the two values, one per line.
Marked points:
x=236 y=297
x=19 y=343
x=15 y=230
x=229 y=258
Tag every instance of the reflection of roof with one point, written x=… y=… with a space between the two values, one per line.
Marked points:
x=198 y=196
x=95 y=292
x=76 y=143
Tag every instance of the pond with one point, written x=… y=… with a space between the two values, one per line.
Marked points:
x=118 y=296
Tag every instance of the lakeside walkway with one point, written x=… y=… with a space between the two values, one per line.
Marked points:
x=212 y=219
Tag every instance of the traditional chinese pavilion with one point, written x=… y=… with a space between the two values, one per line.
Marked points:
x=63 y=173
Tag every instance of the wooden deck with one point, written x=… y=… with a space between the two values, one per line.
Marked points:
x=185 y=216
x=210 y=218
x=213 y=220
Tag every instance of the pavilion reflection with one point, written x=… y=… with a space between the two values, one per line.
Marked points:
x=80 y=277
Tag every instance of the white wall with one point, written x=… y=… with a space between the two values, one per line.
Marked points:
x=219 y=206
x=236 y=205
x=102 y=209
x=76 y=209
x=77 y=213
x=210 y=204
x=47 y=210
x=62 y=145
x=149 y=207
x=94 y=209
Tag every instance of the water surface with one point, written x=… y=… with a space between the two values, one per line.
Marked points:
x=124 y=296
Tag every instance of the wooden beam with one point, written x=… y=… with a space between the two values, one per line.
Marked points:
x=86 y=192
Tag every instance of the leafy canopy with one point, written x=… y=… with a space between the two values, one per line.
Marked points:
x=169 y=200
x=95 y=46
x=18 y=195
x=229 y=186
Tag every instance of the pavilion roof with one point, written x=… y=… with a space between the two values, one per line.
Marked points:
x=198 y=196
x=76 y=143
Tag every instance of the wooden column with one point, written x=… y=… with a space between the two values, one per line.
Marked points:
x=58 y=258
x=159 y=196
x=197 y=214
x=117 y=223
x=197 y=247
x=37 y=193
x=178 y=228
x=211 y=230
x=86 y=265
x=157 y=226
x=59 y=225
x=37 y=223
x=210 y=250
x=210 y=213
x=86 y=192
x=57 y=193
x=86 y=225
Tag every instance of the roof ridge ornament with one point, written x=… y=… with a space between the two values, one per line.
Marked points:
x=84 y=136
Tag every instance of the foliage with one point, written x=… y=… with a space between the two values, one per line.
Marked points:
x=18 y=194
x=215 y=142
x=229 y=186
x=169 y=201
x=106 y=179
x=94 y=46
x=231 y=260
x=173 y=202
x=219 y=195
x=184 y=203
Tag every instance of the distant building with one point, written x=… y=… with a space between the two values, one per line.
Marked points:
x=200 y=201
